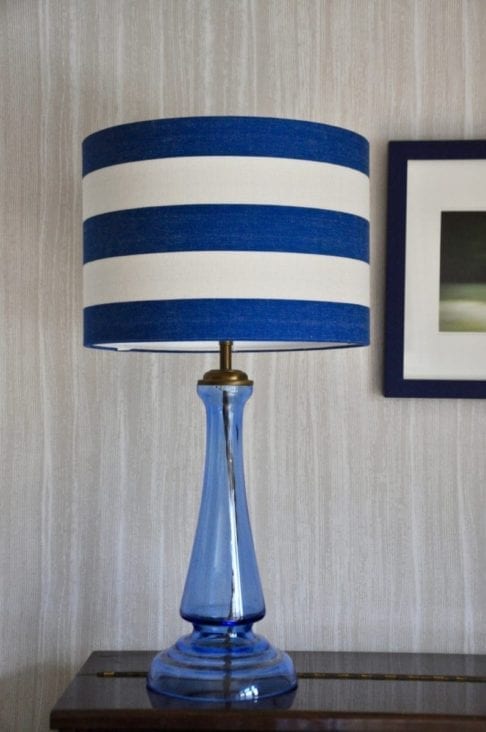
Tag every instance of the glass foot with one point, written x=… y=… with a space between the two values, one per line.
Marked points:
x=217 y=663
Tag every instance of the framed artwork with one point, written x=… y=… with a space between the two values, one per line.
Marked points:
x=435 y=344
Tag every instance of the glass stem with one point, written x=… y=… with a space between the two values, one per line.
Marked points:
x=223 y=584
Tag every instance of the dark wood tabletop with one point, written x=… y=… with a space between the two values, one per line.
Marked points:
x=337 y=691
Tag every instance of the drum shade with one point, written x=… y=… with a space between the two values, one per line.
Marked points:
x=203 y=229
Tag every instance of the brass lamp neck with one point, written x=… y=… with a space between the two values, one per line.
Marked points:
x=225 y=375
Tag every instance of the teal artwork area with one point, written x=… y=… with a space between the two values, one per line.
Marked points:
x=463 y=271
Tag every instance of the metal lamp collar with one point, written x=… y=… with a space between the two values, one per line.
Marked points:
x=225 y=375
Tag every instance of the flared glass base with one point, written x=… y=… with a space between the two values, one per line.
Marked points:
x=217 y=663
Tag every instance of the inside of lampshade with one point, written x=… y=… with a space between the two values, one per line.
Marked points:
x=213 y=346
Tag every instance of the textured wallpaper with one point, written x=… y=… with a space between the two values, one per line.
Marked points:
x=368 y=513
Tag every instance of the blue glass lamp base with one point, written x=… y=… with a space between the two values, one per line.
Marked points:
x=222 y=660
x=218 y=663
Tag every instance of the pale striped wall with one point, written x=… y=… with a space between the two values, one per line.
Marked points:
x=369 y=514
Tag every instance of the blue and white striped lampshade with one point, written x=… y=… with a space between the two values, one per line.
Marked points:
x=203 y=229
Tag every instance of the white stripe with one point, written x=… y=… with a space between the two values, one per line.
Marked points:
x=219 y=179
x=260 y=275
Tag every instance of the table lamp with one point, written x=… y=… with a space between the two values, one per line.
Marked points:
x=220 y=234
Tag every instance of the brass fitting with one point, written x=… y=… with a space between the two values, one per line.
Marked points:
x=225 y=375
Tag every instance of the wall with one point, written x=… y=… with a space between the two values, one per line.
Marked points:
x=368 y=513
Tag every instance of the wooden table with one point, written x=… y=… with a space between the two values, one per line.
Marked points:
x=337 y=691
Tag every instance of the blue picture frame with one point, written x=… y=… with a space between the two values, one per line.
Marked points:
x=400 y=153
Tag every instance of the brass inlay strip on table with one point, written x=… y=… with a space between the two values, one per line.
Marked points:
x=324 y=675
x=121 y=674
x=390 y=677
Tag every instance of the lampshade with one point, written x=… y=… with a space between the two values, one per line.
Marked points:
x=203 y=229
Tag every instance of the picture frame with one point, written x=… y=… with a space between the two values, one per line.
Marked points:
x=435 y=330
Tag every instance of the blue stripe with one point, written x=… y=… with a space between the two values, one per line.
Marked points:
x=252 y=136
x=225 y=228
x=239 y=320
